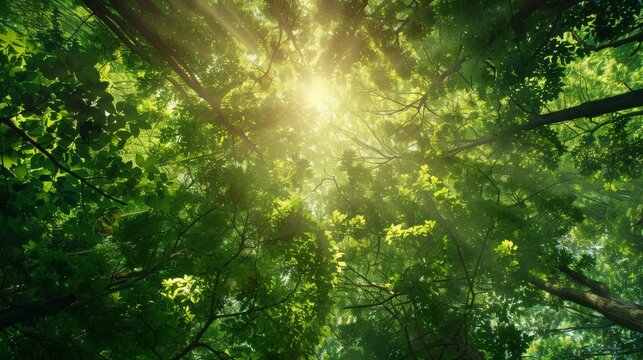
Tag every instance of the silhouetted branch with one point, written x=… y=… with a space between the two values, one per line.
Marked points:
x=54 y=161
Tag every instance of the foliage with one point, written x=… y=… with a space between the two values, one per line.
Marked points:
x=326 y=179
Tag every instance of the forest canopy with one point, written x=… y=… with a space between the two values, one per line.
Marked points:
x=321 y=179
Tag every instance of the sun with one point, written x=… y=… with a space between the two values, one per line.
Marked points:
x=317 y=92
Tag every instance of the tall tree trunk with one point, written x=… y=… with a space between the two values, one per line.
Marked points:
x=590 y=109
x=599 y=298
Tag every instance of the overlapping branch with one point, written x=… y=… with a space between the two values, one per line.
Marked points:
x=55 y=161
x=126 y=24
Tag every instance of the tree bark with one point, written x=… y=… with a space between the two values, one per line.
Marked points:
x=590 y=109
x=597 y=287
x=622 y=313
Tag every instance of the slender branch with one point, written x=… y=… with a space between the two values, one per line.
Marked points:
x=576 y=328
x=136 y=22
x=54 y=161
x=377 y=303
x=638 y=37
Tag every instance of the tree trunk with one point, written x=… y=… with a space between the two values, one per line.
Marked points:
x=590 y=109
x=622 y=313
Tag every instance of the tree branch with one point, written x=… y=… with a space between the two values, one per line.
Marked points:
x=54 y=161
x=597 y=287
x=590 y=109
x=136 y=22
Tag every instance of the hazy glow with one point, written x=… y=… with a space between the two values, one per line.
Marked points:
x=317 y=93
x=227 y=15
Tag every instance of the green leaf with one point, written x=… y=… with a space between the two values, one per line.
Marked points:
x=30 y=245
x=9 y=159
x=47 y=186
x=140 y=160
x=134 y=129
x=20 y=171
